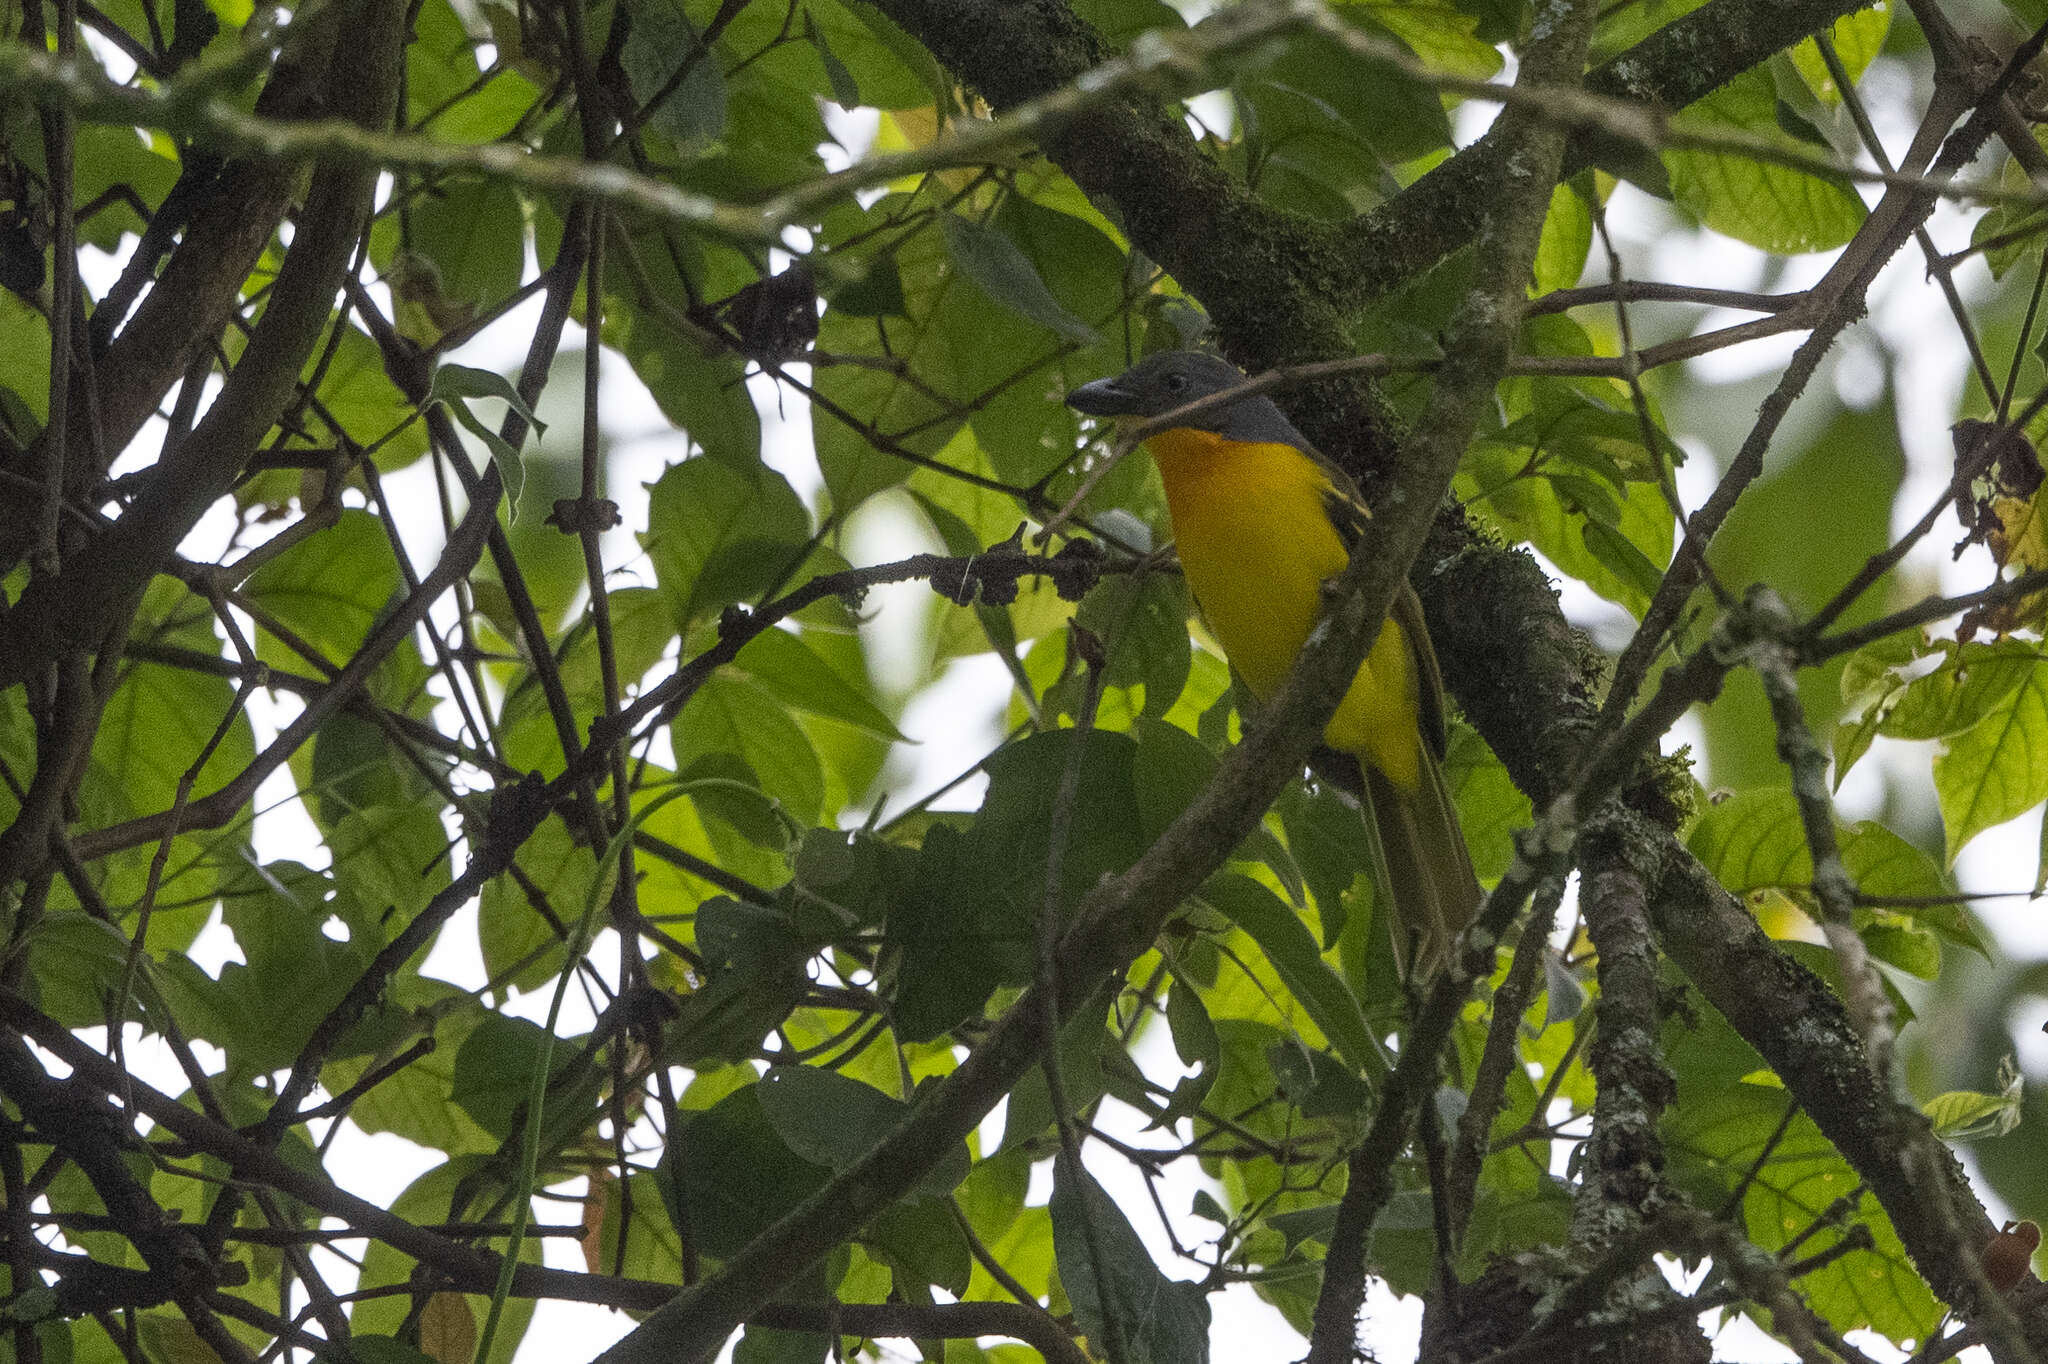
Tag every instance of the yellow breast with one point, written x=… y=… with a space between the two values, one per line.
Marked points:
x=1256 y=544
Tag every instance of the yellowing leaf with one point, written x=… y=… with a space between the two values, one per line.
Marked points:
x=448 y=1329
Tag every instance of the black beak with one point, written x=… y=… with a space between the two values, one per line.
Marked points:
x=1103 y=398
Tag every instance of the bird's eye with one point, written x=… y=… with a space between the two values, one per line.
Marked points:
x=1176 y=383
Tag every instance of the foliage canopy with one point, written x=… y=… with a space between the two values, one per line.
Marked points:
x=320 y=632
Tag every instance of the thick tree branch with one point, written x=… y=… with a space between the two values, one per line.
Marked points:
x=1684 y=61
x=1624 y=1158
x=1477 y=344
x=229 y=214
x=103 y=580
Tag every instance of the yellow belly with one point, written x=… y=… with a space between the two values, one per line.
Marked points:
x=1256 y=544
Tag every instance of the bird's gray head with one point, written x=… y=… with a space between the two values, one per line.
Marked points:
x=1170 y=379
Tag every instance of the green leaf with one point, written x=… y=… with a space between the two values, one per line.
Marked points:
x=105 y=157
x=511 y=930
x=1714 y=1145
x=1084 y=1050
x=1570 y=531
x=414 y=1103
x=1305 y=1224
x=1972 y=683
x=1442 y=34
x=1119 y=21
x=78 y=965
x=1316 y=1083
x=1142 y=621
x=719 y=533
x=1006 y=275
x=1117 y=1292
x=876 y=292
x=328 y=589
x=2018 y=226
x=1857 y=37
x=1872 y=673
x=161 y=718
x=1567 y=240
x=1400 y=116
x=466 y=381
x=455 y=383
x=921 y=1242
x=1194 y=1033
x=393 y=857
x=785 y=665
x=1754 y=840
x=1328 y=843
x=660 y=42
x=1851 y=741
x=1769 y=206
x=1292 y=949
x=1966 y=1115
x=766 y=1345
x=1629 y=565
x=756 y=968
x=729 y=716
x=734 y=1173
x=1998 y=768
x=1490 y=806
x=704 y=395
x=25 y=364
x=845 y=90
x=1303 y=154
x=970 y=918
x=428 y=1200
x=832 y=1120
x=475 y=235
x=494 y=1071
x=895 y=71
x=262 y=1009
x=440 y=62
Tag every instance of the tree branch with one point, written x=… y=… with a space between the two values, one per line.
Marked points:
x=103 y=580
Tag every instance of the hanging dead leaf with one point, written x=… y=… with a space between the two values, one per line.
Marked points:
x=2008 y=1255
x=594 y=1208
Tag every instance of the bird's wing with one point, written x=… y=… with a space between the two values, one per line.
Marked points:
x=1429 y=679
x=1347 y=512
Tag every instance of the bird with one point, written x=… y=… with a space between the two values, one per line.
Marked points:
x=1260 y=521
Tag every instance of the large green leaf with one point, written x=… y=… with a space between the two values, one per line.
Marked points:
x=1997 y=769
x=328 y=590
x=827 y=1118
x=1715 y=1142
x=1292 y=949
x=1119 y=1295
x=1754 y=842
x=475 y=235
x=970 y=920
x=1768 y=205
x=262 y=1009
x=720 y=533
x=664 y=56
x=1003 y=272
x=732 y=1172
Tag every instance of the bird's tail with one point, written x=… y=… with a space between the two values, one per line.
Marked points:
x=1425 y=867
